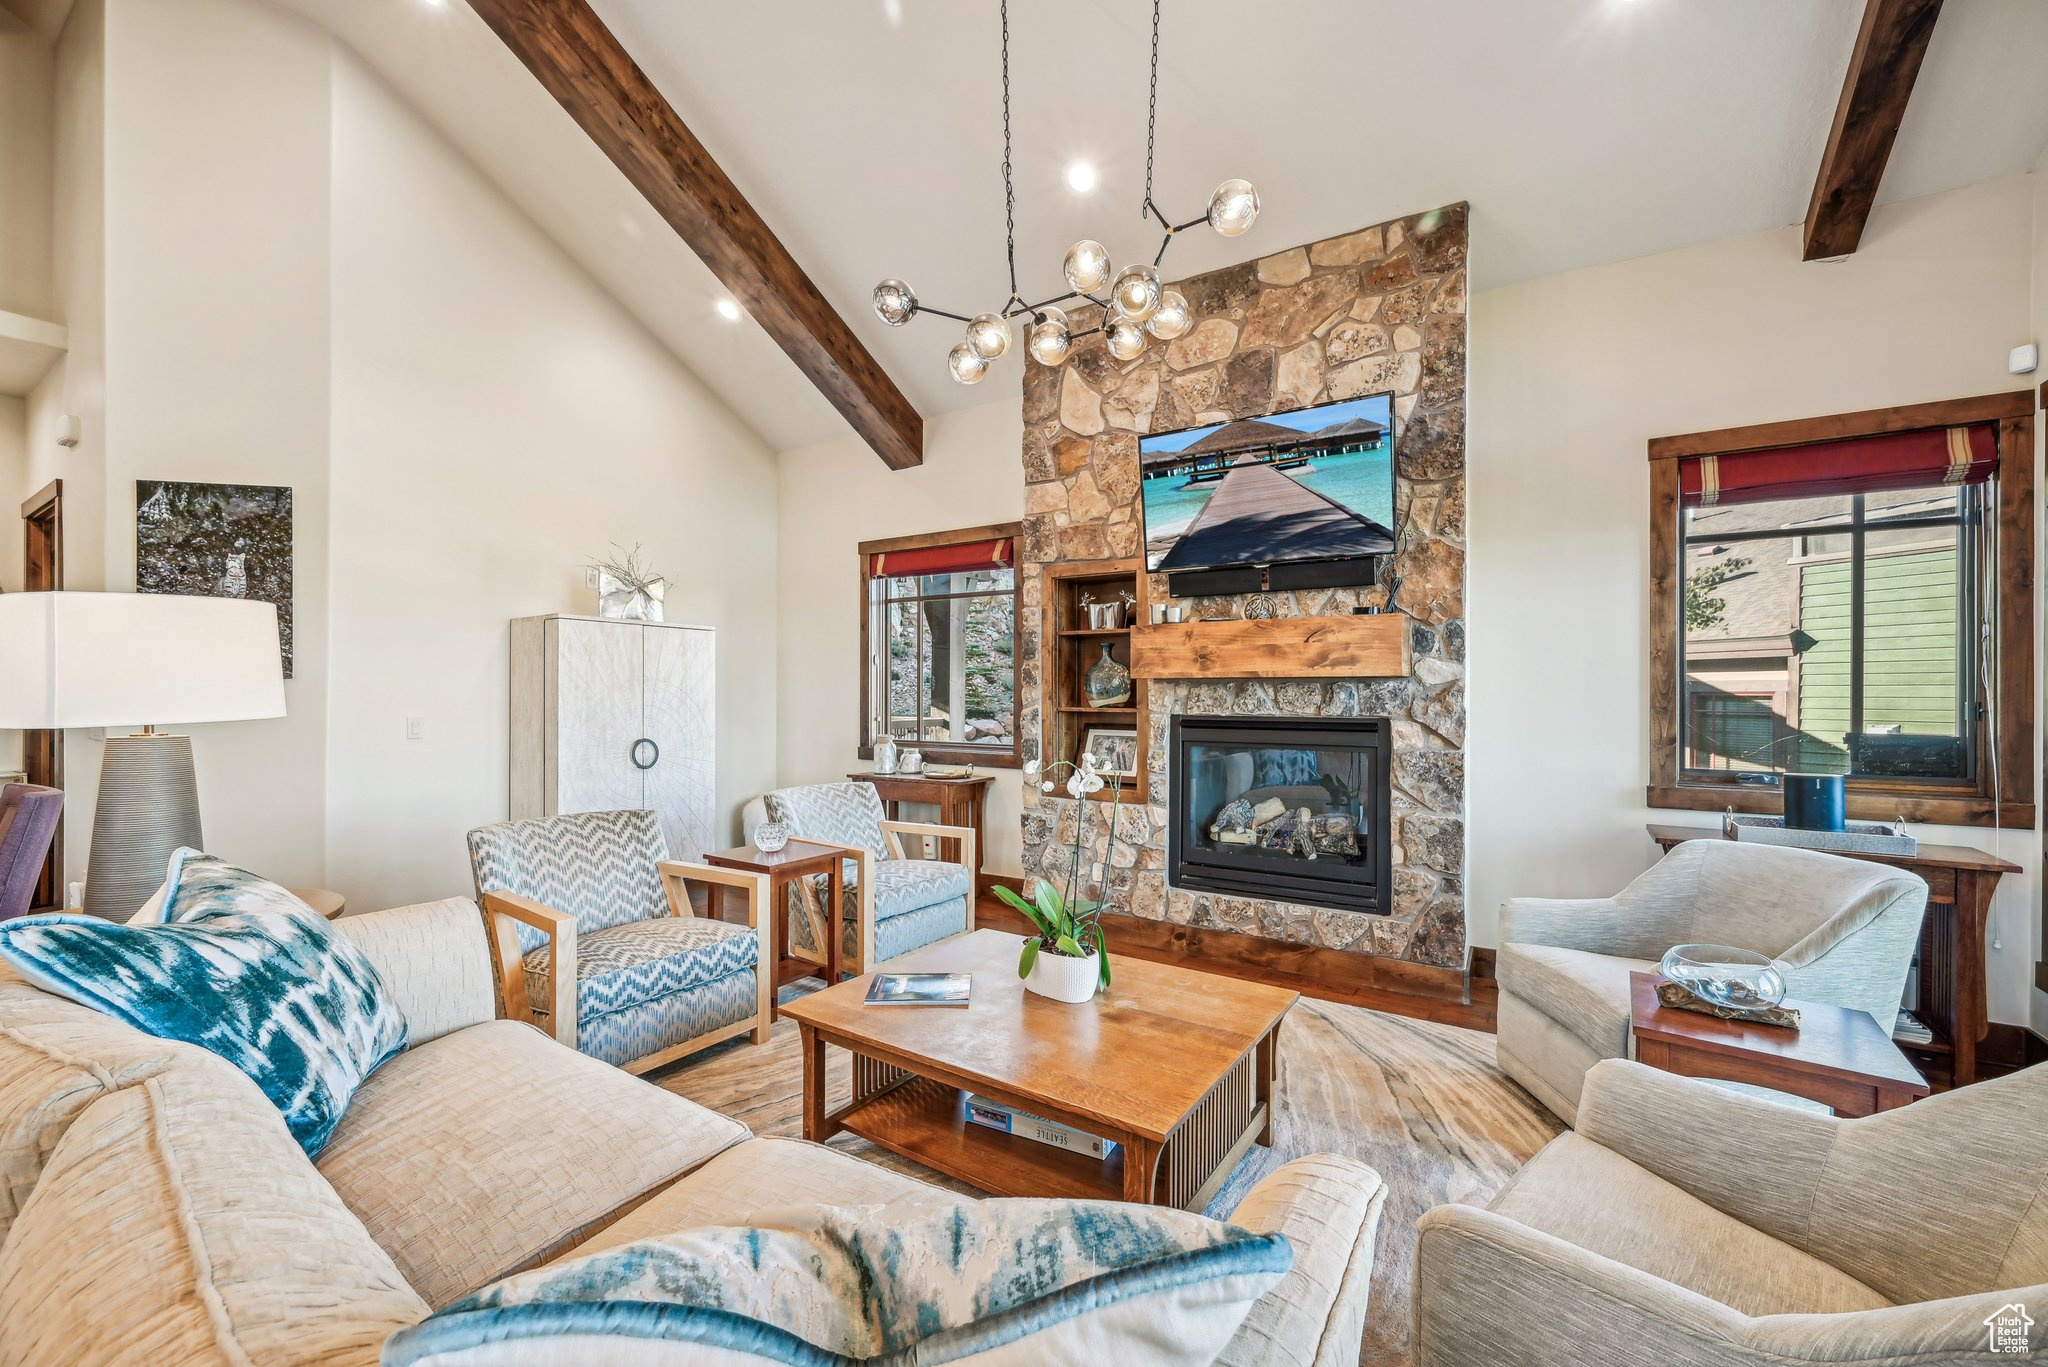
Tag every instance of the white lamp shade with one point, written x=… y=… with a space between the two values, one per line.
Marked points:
x=132 y=659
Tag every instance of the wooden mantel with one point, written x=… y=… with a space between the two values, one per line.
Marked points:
x=1366 y=646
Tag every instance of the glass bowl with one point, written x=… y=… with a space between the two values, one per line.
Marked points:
x=1725 y=975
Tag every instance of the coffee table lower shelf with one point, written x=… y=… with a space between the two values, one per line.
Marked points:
x=926 y=1121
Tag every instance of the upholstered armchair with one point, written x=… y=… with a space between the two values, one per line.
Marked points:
x=1842 y=931
x=1686 y=1224
x=902 y=901
x=28 y=819
x=595 y=940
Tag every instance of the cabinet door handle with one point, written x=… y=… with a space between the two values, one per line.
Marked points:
x=653 y=754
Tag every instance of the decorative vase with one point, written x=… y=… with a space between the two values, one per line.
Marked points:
x=1108 y=683
x=910 y=761
x=770 y=836
x=1064 y=979
x=885 y=755
x=623 y=602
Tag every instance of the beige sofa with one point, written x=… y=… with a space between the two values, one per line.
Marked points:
x=1686 y=1224
x=154 y=1209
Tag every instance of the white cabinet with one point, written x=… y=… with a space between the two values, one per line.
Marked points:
x=613 y=715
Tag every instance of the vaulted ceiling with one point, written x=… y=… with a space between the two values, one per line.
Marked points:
x=867 y=134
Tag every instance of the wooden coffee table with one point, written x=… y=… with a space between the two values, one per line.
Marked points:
x=1177 y=1067
x=1838 y=1057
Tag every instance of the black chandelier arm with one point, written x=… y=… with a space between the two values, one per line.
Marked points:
x=941 y=313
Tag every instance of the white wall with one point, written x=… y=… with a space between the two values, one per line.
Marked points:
x=217 y=135
x=1571 y=376
x=835 y=496
x=498 y=420
x=274 y=273
x=27 y=107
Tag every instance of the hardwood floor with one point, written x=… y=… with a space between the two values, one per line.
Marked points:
x=1421 y=1101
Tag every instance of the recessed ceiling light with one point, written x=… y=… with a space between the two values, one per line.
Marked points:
x=1080 y=177
x=892 y=10
x=728 y=310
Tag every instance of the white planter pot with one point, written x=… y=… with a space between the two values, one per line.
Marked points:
x=1063 y=979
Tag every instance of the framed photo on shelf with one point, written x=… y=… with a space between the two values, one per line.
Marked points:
x=1115 y=749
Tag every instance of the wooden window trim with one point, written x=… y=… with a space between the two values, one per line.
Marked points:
x=2013 y=660
x=987 y=757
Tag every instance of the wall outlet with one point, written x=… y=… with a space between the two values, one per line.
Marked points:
x=590 y=576
x=415 y=728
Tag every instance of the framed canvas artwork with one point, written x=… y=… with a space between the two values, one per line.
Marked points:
x=217 y=541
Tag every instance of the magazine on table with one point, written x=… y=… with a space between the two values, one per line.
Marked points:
x=920 y=989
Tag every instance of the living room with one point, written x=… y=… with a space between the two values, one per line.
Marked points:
x=1419 y=519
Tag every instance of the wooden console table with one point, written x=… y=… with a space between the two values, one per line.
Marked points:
x=961 y=802
x=1960 y=881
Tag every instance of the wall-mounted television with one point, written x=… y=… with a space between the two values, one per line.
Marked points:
x=1314 y=484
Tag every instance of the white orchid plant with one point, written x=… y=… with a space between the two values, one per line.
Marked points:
x=1068 y=923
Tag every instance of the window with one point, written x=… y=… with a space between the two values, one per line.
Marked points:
x=1832 y=604
x=939 y=645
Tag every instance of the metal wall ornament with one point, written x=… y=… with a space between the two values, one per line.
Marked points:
x=1137 y=308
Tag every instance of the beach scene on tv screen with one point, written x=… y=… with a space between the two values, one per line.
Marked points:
x=1313 y=484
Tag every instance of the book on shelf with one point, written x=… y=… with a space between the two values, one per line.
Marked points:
x=1912 y=1029
x=920 y=989
x=997 y=1115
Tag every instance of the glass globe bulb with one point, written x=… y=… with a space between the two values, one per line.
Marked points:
x=1050 y=339
x=895 y=303
x=1171 y=319
x=1136 y=292
x=1087 y=266
x=1234 y=208
x=1126 y=338
x=989 y=335
x=966 y=363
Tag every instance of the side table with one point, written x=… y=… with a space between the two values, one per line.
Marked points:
x=797 y=860
x=1838 y=1057
x=1960 y=881
x=961 y=802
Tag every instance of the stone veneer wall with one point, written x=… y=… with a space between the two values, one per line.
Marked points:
x=1371 y=312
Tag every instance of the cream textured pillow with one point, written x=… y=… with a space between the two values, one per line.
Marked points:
x=177 y=1222
x=989 y=1282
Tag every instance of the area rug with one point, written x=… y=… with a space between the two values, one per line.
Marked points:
x=1423 y=1103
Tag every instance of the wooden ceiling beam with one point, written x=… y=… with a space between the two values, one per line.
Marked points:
x=1886 y=62
x=571 y=52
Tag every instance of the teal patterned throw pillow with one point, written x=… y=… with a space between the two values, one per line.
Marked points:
x=1025 y=1281
x=237 y=965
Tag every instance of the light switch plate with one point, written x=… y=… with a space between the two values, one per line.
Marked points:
x=415 y=728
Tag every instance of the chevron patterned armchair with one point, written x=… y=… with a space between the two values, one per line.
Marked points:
x=596 y=943
x=903 y=901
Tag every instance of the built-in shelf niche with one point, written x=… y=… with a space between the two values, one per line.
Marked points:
x=1071 y=648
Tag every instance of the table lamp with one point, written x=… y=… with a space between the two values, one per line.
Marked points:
x=123 y=659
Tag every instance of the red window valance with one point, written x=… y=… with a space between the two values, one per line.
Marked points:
x=1860 y=465
x=997 y=553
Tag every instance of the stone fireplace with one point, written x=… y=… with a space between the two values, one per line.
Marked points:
x=1370 y=312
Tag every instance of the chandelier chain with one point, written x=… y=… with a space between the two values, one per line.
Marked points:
x=1151 y=111
x=1009 y=192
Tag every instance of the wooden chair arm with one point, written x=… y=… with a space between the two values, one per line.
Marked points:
x=509 y=960
x=676 y=877
x=678 y=874
x=894 y=831
x=864 y=911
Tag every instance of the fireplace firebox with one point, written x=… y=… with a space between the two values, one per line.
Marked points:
x=1284 y=809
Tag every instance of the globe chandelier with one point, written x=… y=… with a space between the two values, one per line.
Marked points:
x=1136 y=307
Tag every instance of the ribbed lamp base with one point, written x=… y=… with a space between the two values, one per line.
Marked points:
x=148 y=807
